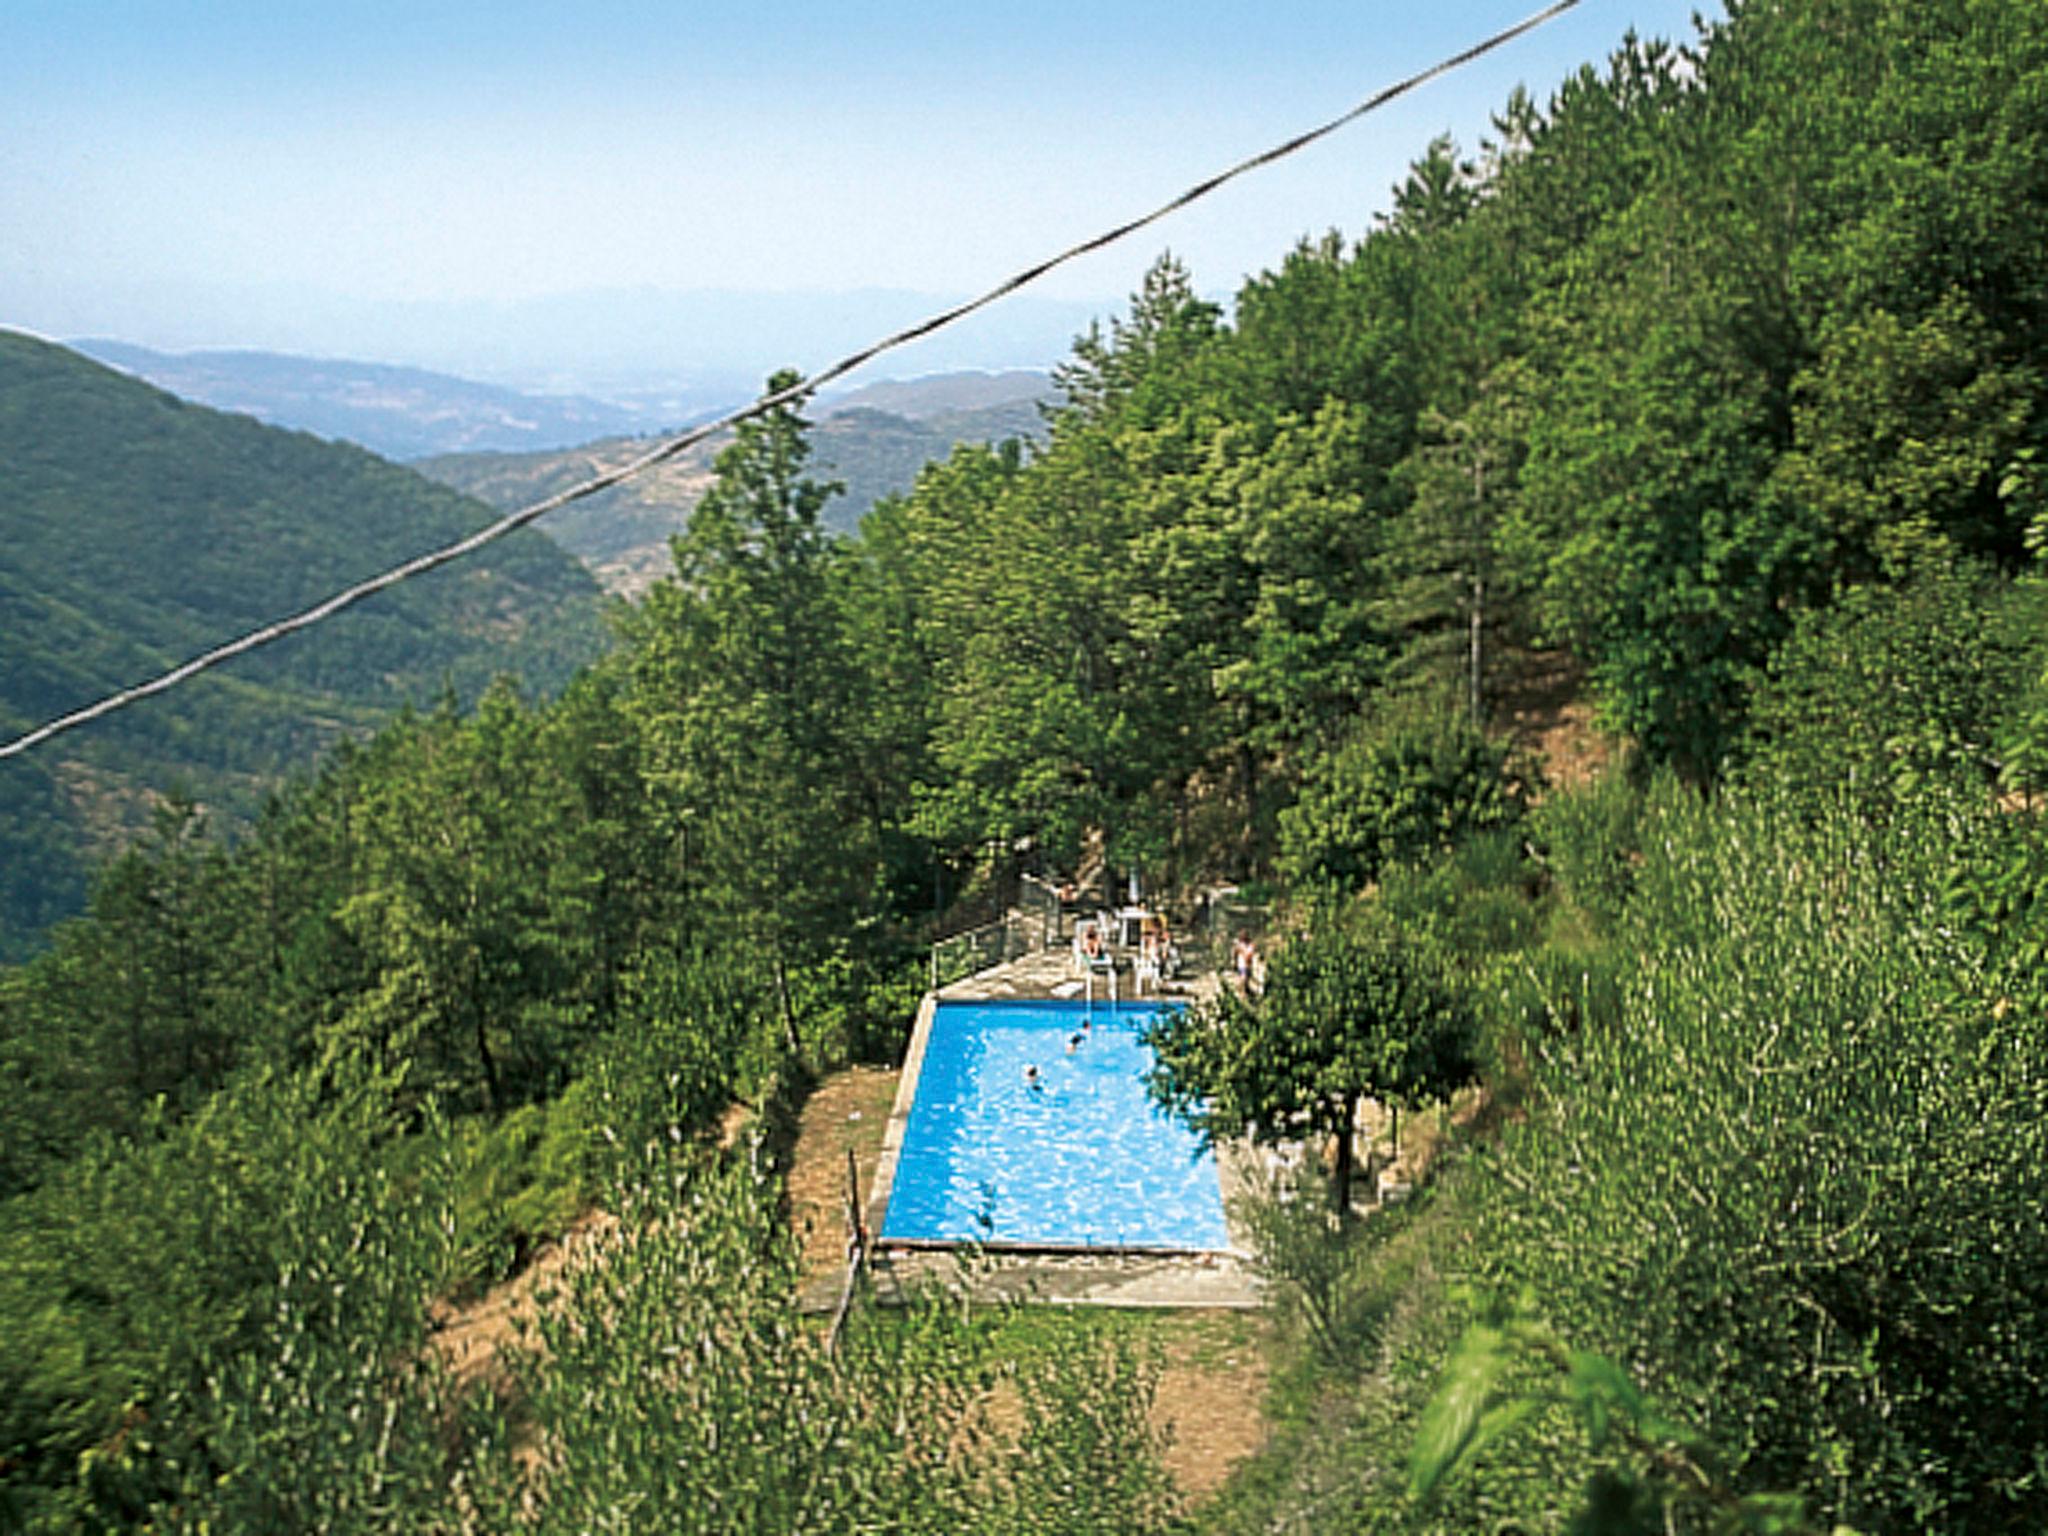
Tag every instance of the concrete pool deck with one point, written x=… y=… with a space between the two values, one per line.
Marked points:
x=1091 y=1277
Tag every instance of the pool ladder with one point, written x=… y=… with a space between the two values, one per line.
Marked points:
x=1108 y=968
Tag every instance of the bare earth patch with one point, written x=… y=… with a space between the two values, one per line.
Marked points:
x=1211 y=1384
x=469 y=1337
x=848 y=1110
x=1541 y=696
x=1210 y=1393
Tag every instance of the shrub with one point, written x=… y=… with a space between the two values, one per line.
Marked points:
x=1890 y=687
x=679 y=1392
x=1796 y=1190
x=1474 y=904
x=1414 y=785
x=521 y=1181
x=1590 y=842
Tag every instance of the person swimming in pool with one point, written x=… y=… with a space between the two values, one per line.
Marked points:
x=1031 y=1077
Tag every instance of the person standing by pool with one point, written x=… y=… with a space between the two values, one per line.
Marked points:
x=1088 y=951
x=1244 y=956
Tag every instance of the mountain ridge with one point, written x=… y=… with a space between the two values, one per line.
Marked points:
x=394 y=410
x=621 y=534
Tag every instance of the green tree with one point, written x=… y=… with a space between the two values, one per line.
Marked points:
x=1311 y=510
x=1893 y=686
x=1068 y=699
x=746 y=701
x=127 y=1008
x=1444 y=579
x=1349 y=1012
x=164 y=1296
x=475 y=910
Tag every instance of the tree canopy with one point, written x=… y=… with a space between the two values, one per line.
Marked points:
x=1348 y=1012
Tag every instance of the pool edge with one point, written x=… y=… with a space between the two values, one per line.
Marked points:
x=1029 y=1249
x=899 y=1118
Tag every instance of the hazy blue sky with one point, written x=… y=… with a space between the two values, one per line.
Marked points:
x=310 y=175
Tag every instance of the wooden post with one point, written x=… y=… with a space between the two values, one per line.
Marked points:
x=857 y=1218
x=856 y=1251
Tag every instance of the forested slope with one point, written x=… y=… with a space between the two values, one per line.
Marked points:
x=137 y=530
x=1718 y=382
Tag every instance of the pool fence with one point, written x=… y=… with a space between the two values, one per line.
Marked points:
x=1013 y=936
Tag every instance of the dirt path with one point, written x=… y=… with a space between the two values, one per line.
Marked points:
x=1210 y=1393
x=848 y=1111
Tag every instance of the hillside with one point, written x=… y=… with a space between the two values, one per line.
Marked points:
x=622 y=534
x=943 y=396
x=401 y=413
x=136 y=530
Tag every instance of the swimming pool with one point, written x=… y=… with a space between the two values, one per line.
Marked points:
x=1081 y=1158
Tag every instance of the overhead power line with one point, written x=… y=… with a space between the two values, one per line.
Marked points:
x=668 y=449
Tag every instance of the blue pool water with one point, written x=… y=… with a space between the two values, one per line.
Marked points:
x=1084 y=1158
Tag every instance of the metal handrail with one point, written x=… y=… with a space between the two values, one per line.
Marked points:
x=1015 y=935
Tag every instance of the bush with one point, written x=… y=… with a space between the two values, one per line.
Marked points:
x=1891 y=687
x=1796 y=1190
x=240 y=1280
x=696 y=1030
x=678 y=1392
x=1337 y=1278
x=521 y=1181
x=1474 y=905
x=1412 y=786
x=1590 y=842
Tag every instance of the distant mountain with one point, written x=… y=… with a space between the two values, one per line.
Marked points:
x=694 y=349
x=622 y=534
x=137 y=530
x=941 y=395
x=400 y=413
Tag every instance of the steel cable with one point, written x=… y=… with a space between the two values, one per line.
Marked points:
x=662 y=452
